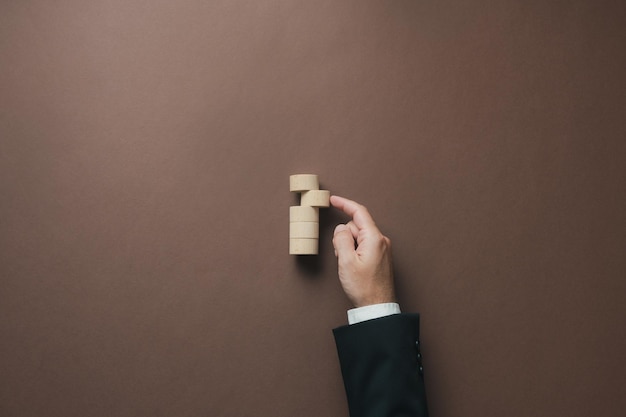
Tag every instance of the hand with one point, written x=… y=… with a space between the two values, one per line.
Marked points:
x=363 y=255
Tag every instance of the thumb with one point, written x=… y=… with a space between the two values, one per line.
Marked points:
x=343 y=241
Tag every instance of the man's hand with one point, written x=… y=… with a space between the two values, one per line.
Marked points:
x=364 y=256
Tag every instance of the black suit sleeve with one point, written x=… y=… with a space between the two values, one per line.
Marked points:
x=382 y=367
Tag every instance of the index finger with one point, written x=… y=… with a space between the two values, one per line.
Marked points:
x=361 y=217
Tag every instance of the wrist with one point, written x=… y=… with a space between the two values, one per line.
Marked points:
x=376 y=299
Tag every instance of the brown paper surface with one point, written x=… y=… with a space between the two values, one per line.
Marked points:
x=145 y=154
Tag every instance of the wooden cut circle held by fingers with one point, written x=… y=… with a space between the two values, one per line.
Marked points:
x=316 y=198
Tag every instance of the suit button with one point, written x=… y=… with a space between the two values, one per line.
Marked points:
x=419 y=356
x=417 y=344
x=421 y=370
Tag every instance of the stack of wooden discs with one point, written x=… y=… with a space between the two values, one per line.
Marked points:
x=304 y=230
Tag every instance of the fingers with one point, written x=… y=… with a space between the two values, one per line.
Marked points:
x=361 y=217
x=353 y=229
x=343 y=241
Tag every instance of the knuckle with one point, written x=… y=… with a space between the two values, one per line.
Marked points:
x=344 y=264
x=338 y=229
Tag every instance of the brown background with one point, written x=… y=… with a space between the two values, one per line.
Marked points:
x=145 y=148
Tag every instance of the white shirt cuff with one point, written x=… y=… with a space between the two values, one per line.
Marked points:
x=374 y=311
